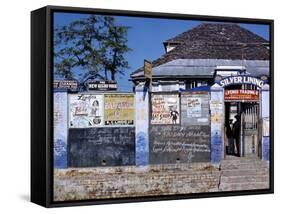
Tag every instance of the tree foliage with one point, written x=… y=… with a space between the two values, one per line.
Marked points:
x=93 y=45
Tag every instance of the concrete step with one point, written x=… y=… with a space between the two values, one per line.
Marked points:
x=244 y=179
x=244 y=172
x=243 y=186
x=253 y=161
x=244 y=163
x=244 y=166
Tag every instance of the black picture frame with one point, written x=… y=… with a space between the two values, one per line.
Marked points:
x=42 y=105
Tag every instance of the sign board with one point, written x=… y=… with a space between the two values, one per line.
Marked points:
x=241 y=95
x=242 y=79
x=214 y=104
x=147 y=69
x=119 y=109
x=101 y=85
x=195 y=108
x=165 y=109
x=71 y=85
x=85 y=110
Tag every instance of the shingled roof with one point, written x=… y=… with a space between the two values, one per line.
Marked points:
x=217 y=32
x=215 y=41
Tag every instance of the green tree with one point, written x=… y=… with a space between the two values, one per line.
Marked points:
x=93 y=45
x=114 y=47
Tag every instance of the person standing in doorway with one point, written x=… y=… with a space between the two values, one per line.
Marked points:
x=229 y=138
x=236 y=134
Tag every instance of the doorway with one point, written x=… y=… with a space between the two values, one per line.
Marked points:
x=249 y=134
x=241 y=128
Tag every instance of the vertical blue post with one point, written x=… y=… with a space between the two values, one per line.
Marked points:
x=217 y=118
x=142 y=120
x=265 y=122
x=60 y=130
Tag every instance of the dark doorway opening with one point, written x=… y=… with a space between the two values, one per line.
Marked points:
x=241 y=128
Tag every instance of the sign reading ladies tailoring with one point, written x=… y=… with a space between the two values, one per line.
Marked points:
x=235 y=80
x=85 y=110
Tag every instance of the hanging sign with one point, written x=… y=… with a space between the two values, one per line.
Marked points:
x=147 y=69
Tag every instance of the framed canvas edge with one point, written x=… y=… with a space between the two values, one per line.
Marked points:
x=38 y=152
x=49 y=106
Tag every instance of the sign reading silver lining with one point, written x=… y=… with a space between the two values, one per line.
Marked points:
x=234 y=80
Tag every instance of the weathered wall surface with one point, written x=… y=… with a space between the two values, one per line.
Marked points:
x=104 y=146
x=217 y=120
x=132 y=181
x=183 y=144
x=141 y=124
x=60 y=130
x=265 y=113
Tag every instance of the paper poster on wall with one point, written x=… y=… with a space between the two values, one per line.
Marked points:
x=119 y=109
x=85 y=110
x=265 y=127
x=193 y=107
x=165 y=109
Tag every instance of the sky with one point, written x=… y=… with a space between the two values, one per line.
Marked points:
x=146 y=37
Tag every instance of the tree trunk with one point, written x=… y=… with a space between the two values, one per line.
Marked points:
x=112 y=75
x=113 y=66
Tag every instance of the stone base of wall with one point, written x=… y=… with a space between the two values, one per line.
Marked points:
x=169 y=179
x=133 y=181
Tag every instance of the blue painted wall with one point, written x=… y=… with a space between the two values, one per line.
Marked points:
x=60 y=130
x=265 y=148
x=265 y=115
x=217 y=115
x=142 y=120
